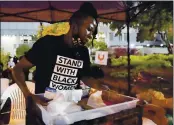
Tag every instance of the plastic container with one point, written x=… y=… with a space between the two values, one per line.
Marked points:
x=117 y=103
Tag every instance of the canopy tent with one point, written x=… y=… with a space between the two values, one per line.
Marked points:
x=59 y=11
x=55 y=11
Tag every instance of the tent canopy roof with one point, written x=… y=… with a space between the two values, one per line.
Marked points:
x=55 y=11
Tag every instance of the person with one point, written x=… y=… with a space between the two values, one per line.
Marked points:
x=15 y=59
x=62 y=61
x=1 y=69
x=7 y=73
x=11 y=64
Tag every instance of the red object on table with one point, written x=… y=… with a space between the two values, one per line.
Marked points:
x=108 y=103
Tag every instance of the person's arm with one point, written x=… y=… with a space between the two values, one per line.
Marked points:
x=19 y=77
x=30 y=59
x=92 y=76
x=94 y=83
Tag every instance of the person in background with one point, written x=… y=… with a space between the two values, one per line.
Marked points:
x=34 y=76
x=1 y=69
x=15 y=60
x=7 y=73
x=11 y=64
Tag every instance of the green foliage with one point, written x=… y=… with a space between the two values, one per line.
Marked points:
x=170 y=38
x=4 y=58
x=101 y=46
x=32 y=69
x=150 y=17
x=122 y=61
x=144 y=34
x=145 y=62
x=119 y=74
x=55 y=29
x=162 y=21
x=170 y=33
x=170 y=58
x=98 y=45
x=137 y=60
x=157 y=63
x=22 y=49
x=138 y=69
x=34 y=37
x=141 y=63
x=124 y=74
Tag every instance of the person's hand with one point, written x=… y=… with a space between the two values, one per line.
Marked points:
x=33 y=112
x=105 y=88
x=40 y=100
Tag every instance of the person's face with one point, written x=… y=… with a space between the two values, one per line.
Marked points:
x=86 y=29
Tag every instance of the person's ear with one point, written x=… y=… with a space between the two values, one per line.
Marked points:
x=75 y=28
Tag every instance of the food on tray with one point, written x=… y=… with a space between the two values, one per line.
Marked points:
x=95 y=100
x=150 y=94
x=155 y=113
x=165 y=103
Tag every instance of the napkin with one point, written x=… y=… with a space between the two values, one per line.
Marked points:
x=63 y=103
x=95 y=100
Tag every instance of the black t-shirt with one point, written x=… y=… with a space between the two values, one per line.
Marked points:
x=57 y=65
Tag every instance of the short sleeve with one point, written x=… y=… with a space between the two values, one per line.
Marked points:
x=34 y=54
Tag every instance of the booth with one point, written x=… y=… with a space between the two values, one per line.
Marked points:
x=119 y=108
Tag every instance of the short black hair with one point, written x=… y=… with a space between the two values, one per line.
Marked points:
x=86 y=9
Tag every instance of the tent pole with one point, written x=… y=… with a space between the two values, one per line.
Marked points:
x=128 y=51
x=51 y=12
x=41 y=25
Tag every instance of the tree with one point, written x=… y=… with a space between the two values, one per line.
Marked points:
x=98 y=45
x=150 y=17
x=34 y=38
x=56 y=29
x=20 y=51
x=4 y=58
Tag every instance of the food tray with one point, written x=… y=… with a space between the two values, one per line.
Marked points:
x=116 y=103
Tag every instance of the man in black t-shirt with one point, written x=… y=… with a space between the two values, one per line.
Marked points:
x=61 y=61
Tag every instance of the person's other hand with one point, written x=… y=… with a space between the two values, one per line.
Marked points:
x=40 y=100
x=97 y=72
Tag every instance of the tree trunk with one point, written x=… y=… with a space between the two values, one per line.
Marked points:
x=169 y=47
